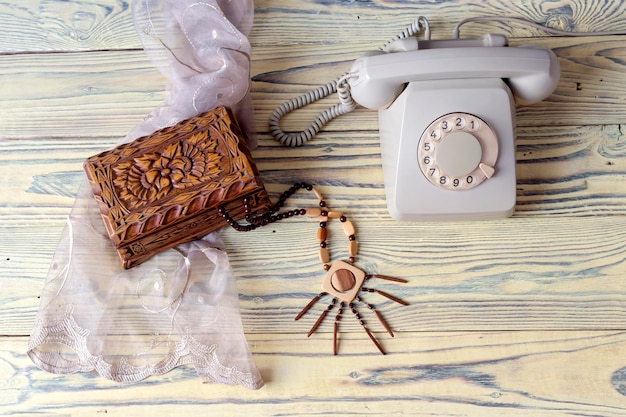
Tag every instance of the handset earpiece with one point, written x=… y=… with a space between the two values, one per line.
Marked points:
x=534 y=86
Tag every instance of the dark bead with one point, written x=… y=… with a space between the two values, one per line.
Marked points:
x=326 y=267
x=221 y=210
x=322 y=224
x=302 y=212
x=323 y=244
x=309 y=187
x=351 y=237
x=324 y=213
x=343 y=219
x=322 y=203
x=351 y=259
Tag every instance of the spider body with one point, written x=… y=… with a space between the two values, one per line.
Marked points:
x=344 y=282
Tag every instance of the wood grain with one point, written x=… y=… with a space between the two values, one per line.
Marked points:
x=475 y=277
x=519 y=317
x=574 y=171
x=49 y=25
x=111 y=91
x=515 y=373
x=52 y=26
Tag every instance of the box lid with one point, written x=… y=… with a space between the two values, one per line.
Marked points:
x=162 y=179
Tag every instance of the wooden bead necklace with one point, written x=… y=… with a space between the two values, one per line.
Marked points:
x=343 y=281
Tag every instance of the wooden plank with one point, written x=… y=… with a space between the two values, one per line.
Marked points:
x=49 y=95
x=476 y=373
x=573 y=171
x=53 y=25
x=339 y=22
x=519 y=317
x=594 y=64
x=523 y=274
x=49 y=25
x=473 y=276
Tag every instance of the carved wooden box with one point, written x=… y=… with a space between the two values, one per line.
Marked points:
x=164 y=189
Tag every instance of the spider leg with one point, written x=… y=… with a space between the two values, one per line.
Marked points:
x=308 y=306
x=336 y=328
x=380 y=348
x=387 y=295
x=379 y=315
x=321 y=317
x=388 y=278
x=362 y=323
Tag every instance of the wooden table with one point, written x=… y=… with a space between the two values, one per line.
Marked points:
x=521 y=316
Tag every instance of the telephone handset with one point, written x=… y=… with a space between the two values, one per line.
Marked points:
x=378 y=77
x=447 y=119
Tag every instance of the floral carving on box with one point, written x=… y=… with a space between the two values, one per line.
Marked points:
x=164 y=189
x=178 y=166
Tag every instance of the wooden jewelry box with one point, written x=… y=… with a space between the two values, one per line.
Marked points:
x=164 y=189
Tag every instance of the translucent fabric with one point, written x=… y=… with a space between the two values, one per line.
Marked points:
x=203 y=50
x=181 y=306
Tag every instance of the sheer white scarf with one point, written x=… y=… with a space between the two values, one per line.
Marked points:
x=181 y=306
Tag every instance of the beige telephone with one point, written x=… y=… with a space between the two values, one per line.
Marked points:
x=446 y=119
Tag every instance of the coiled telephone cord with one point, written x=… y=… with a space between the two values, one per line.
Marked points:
x=340 y=86
x=346 y=105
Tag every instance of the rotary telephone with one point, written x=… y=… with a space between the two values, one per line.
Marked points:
x=446 y=119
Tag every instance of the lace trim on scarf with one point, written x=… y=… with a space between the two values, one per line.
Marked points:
x=187 y=350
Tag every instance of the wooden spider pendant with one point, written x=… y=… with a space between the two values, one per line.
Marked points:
x=344 y=282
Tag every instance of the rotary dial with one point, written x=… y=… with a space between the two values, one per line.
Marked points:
x=457 y=152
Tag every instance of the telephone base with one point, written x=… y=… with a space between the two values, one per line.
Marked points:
x=413 y=197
